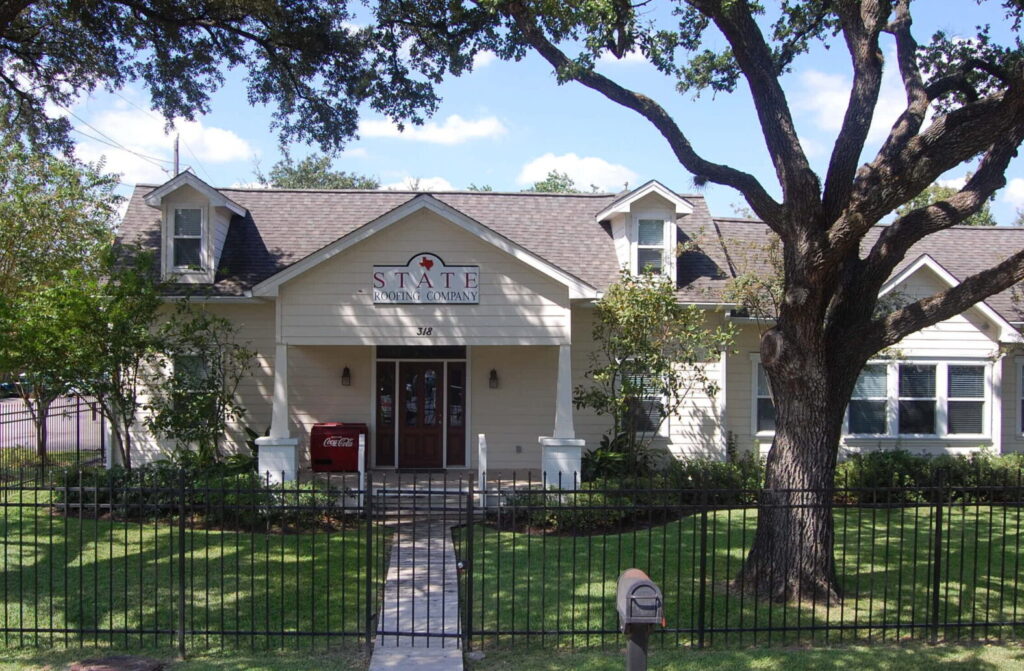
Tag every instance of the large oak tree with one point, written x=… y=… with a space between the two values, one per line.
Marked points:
x=964 y=102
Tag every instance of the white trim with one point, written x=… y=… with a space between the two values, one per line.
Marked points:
x=1007 y=333
x=755 y=361
x=623 y=205
x=155 y=197
x=373 y=404
x=577 y=287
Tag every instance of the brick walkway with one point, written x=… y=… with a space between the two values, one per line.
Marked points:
x=421 y=595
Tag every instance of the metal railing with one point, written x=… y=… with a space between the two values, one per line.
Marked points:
x=76 y=434
x=197 y=562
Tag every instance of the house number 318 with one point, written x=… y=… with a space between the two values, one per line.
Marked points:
x=424 y=330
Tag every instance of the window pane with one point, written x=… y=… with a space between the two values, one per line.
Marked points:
x=867 y=417
x=871 y=383
x=648 y=259
x=762 y=382
x=967 y=382
x=186 y=253
x=917 y=381
x=965 y=416
x=765 y=415
x=188 y=222
x=651 y=232
x=917 y=417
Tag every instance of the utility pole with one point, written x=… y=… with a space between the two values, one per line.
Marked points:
x=176 y=171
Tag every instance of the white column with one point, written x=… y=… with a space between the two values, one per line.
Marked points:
x=563 y=395
x=278 y=460
x=279 y=418
x=562 y=453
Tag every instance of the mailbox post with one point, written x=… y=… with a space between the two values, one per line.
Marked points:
x=641 y=608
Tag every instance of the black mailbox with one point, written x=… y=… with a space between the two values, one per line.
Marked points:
x=638 y=600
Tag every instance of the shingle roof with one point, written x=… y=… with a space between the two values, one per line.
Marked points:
x=284 y=226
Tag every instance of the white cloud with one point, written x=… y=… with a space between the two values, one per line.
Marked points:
x=420 y=184
x=812 y=148
x=1014 y=194
x=584 y=170
x=483 y=58
x=953 y=182
x=824 y=96
x=148 y=149
x=454 y=130
x=355 y=152
x=632 y=57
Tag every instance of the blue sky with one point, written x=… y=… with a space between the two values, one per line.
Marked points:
x=507 y=124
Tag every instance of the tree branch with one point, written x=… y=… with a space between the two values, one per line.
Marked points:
x=861 y=28
x=800 y=185
x=945 y=304
x=762 y=203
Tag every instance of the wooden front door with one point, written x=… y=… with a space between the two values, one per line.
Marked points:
x=420 y=414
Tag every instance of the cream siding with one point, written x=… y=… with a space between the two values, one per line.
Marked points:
x=519 y=410
x=332 y=304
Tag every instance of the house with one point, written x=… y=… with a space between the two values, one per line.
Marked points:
x=436 y=317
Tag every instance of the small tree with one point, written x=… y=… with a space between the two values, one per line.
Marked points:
x=555 y=182
x=651 y=354
x=194 y=396
x=114 y=320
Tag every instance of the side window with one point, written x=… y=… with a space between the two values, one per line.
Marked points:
x=966 y=399
x=765 y=405
x=187 y=238
x=917 y=399
x=650 y=246
x=869 y=400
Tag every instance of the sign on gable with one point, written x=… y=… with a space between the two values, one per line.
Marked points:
x=426 y=280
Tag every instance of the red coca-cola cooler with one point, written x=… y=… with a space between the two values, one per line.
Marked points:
x=334 y=446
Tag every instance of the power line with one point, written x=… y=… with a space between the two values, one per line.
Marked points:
x=149 y=159
x=114 y=143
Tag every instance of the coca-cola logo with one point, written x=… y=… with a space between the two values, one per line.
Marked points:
x=339 y=441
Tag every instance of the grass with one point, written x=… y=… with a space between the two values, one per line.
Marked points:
x=49 y=660
x=876 y=658
x=559 y=589
x=116 y=584
x=12 y=459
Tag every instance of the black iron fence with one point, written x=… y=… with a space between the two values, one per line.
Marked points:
x=75 y=434
x=186 y=563
x=231 y=562
x=933 y=563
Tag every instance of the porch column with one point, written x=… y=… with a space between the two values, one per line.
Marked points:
x=562 y=453
x=278 y=460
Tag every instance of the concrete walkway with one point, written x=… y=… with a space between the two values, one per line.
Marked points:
x=421 y=596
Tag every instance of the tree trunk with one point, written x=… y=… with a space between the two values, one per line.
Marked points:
x=792 y=557
x=41 y=416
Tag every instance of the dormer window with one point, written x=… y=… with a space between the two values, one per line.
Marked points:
x=187 y=241
x=650 y=245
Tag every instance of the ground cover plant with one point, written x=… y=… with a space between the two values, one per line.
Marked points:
x=554 y=587
x=85 y=579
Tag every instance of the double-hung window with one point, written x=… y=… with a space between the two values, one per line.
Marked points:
x=905 y=399
x=868 y=411
x=650 y=245
x=647 y=410
x=187 y=238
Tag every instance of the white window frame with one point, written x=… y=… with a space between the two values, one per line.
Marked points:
x=182 y=273
x=755 y=363
x=668 y=237
x=892 y=402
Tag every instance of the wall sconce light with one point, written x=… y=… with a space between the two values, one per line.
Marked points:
x=346 y=377
x=493 y=379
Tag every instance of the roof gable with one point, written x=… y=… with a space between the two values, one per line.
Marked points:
x=1006 y=331
x=577 y=287
x=155 y=197
x=622 y=204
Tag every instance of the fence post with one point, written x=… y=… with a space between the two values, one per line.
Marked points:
x=702 y=597
x=78 y=429
x=937 y=556
x=181 y=563
x=467 y=563
x=368 y=597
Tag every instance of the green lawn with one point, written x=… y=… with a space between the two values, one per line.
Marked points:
x=117 y=583
x=875 y=658
x=538 y=584
x=334 y=660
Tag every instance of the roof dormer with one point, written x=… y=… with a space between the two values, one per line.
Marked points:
x=194 y=224
x=643 y=226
